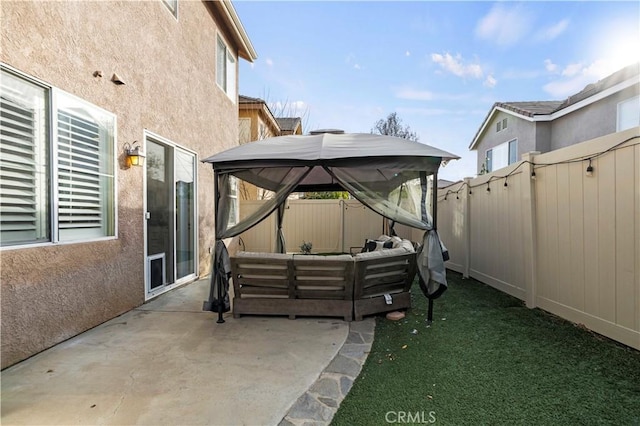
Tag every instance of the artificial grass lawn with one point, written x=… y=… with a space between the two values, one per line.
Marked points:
x=487 y=359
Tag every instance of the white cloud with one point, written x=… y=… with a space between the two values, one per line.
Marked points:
x=575 y=77
x=407 y=53
x=289 y=108
x=552 y=32
x=269 y=62
x=505 y=25
x=426 y=111
x=550 y=66
x=571 y=70
x=519 y=74
x=490 y=82
x=456 y=66
x=412 y=94
x=351 y=60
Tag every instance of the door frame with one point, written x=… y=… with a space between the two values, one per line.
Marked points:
x=148 y=293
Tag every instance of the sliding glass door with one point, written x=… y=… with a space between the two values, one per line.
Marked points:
x=170 y=215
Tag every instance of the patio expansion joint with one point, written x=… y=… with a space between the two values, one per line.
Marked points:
x=319 y=403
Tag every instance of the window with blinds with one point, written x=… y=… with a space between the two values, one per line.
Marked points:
x=226 y=69
x=54 y=187
x=24 y=206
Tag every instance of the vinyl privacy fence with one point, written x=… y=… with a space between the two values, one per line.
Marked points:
x=332 y=226
x=549 y=233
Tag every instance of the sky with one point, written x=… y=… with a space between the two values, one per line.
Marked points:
x=439 y=65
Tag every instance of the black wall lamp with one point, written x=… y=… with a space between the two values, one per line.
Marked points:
x=135 y=155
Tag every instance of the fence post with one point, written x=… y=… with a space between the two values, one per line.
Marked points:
x=530 y=240
x=342 y=206
x=466 y=226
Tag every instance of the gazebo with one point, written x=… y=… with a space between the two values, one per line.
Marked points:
x=396 y=178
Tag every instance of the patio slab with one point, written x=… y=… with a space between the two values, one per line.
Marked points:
x=168 y=362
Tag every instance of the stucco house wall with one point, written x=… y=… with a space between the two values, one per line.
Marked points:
x=518 y=128
x=55 y=291
x=592 y=121
x=545 y=126
x=543 y=138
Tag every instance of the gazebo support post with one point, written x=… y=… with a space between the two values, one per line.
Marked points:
x=434 y=218
x=215 y=270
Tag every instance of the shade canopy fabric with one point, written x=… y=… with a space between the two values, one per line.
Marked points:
x=390 y=175
x=255 y=162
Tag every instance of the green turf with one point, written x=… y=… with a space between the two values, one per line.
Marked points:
x=487 y=359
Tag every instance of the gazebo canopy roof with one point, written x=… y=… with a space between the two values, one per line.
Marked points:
x=390 y=158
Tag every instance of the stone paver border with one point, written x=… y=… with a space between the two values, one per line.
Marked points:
x=318 y=405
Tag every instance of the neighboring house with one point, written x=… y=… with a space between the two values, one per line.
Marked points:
x=84 y=234
x=290 y=125
x=256 y=121
x=443 y=183
x=514 y=128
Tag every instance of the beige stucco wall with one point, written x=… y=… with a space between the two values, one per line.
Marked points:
x=50 y=293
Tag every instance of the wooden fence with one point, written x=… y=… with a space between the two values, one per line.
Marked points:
x=547 y=232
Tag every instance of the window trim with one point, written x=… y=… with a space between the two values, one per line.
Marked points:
x=501 y=125
x=635 y=98
x=234 y=183
x=227 y=54
x=157 y=138
x=53 y=93
x=489 y=161
x=174 y=11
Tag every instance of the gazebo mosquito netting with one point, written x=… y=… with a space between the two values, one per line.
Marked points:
x=394 y=177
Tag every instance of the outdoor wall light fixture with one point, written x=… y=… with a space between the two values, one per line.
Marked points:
x=135 y=155
x=589 y=169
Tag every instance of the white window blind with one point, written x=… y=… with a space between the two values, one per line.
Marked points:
x=502 y=155
x=85 y=181
x=79 y=189
x=231 y=75
x=221 y=65
x=628 y=114
x=54 y=186
x=24 y=210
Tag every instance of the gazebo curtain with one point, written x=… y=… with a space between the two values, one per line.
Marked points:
x=401 y=195
x=408 y=204
x=282 y=181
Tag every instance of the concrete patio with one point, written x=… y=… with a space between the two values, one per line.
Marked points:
x=168 y=362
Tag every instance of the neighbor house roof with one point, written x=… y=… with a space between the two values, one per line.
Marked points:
x=530 y=108
x=289 y=123
x=249 y=103
x=550 y=110
x=249 y=100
